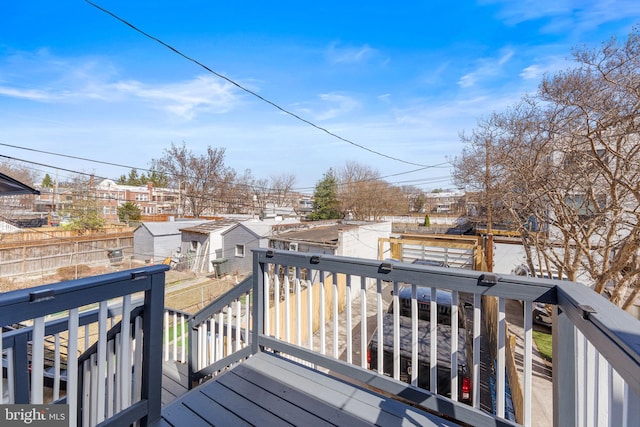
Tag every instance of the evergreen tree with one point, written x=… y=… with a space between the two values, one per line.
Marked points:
x=326 y=205
x=47 y=182
x=128 y=212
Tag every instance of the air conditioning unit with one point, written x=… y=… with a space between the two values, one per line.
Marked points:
x=293 y=247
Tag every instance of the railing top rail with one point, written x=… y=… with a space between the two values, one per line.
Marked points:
x=506 y=286
x=17 y=306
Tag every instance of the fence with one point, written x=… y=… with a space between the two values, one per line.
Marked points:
x=26 y=256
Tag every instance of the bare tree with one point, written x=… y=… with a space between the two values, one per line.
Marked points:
x=281 y=186
x=565 y=168
x=204 y=179
x=364 y=196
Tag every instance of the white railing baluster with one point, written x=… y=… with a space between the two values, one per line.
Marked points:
x=528 y=361
x=414 y=335
x=125 y=354
x=86 y=395
x=220 y=336
x=591 y=386
x=238 y=305
x=323 y=328
x=349 y=321
x=363 y=322
x=37 y=361
x=276 y=303
x=212 y=340
x=287 y=308
x=111 y=371
x=500 y=374
x=72 y=364
x=102 y=360
x=165 y=336
x=56 y=366
x=267 y=308
x=454 y=345
x=183 y=335
x=247 y=316
x=603 y=390
x=379 y=326
x=477 y=306
x=137 y=383
x=616 y=398
x=433 y=337
x=176 y=337
x=117 y=386
x=334 y=315
x=310 y=312
x=229 y=330
x=93 y=394
x=396 y=333
x=298 y=313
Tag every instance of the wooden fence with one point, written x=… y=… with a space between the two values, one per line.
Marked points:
x=24 y=255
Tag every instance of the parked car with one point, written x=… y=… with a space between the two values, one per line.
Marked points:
x=444 y=336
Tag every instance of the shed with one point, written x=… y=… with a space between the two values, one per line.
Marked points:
x=203 y=245
x=242 y=238
x=155 y=241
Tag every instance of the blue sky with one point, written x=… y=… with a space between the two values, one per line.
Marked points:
x=400 y=78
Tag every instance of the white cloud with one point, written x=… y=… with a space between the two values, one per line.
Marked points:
x=333 y=105
x=48 y=79
x=538 y=70
x=486 y=67
x=184 y=99
x=565 y=15
x=350 y=55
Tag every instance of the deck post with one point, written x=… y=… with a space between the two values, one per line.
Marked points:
x=564 y=369
x=152 y=348
x=258 y=302
x=21 y=369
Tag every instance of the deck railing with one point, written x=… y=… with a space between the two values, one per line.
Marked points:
x=95 y=338
x=323 y=310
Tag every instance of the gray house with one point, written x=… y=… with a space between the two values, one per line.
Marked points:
x=241 y=239
x=203 y=246
x=155 y=241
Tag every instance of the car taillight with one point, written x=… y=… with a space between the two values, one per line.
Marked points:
x=369 y=357
x=466 y=388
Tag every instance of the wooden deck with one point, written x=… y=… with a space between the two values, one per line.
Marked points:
x=268 y=390
x=174 y=381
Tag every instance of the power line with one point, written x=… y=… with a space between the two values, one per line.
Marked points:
x=435 y=166
x=249 y=91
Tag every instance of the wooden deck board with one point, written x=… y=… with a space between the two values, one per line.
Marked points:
x=290 y=404
x=267 y=390
x=174 y=381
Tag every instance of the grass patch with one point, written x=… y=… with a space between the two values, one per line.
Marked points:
x=543 y=342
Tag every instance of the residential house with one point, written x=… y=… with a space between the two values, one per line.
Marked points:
x=155 y=241
x=150 y=199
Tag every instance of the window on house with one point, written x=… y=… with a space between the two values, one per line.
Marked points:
x=240 y=251
x=194 y=245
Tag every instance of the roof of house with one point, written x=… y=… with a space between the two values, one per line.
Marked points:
x=264 y=228
x=211 y=226
x=168 y=227
x=12 y=187
x=325 y=235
